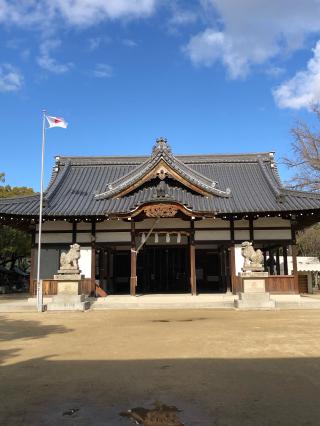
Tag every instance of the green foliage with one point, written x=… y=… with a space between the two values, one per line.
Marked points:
x=15 y=244
x=7 y=191
x=308 y=241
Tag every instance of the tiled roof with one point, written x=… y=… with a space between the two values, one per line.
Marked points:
x=76 y=181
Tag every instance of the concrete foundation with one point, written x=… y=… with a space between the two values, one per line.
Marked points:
x=68 y=297
x=254 y=295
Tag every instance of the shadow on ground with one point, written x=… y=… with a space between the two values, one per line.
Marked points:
x=207 y=391
x=13 y=329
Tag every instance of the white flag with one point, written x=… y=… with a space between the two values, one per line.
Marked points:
x=56 y=122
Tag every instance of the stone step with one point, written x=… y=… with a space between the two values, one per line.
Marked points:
x=253 y=301
x=293 y=305
x=77 y=306
x=12 y=307
x=134 y=305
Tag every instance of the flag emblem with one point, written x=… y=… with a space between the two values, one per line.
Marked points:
x=56 y=122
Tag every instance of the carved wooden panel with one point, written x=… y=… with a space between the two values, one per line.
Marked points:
x=161 y=210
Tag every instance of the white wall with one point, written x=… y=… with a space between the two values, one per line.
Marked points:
x=271 y=221
x=272 y=234
x=238 y=258
x=85 y=261
x=55 y=238
x=105 y=237
x=212 y=235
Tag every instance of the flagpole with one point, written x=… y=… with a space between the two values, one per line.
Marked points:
x=39 y=283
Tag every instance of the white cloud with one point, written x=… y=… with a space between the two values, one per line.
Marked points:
x=208 y=47
x=129 y=43
x=78 y=12
x=253 y=32
x=47 y=62
x=303 y=89
x=103 y=71
x=97 y=42
x=11 y=79
x=183 y=17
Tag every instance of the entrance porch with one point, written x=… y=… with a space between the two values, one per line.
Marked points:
x=163 y=269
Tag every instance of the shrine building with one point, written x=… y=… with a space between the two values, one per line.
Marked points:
x=166 y=223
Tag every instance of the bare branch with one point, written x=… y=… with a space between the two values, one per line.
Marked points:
x=305 y=155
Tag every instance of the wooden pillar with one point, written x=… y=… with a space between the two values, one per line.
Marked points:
x=192 y=248
x=271 y=261
x=93 y=256
x=265 y=259
x=285 y=260
x=294 y=256
x=251 y=229
x=74 y=232
x=232 y=230
x=278 y=261
x=295 y=267
x=133 y=277
x=232 y=268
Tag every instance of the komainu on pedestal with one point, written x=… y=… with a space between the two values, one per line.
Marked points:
x=253 y=278
x=69 y=297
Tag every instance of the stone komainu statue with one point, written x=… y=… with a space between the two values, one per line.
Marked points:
x=70 y=259
x=253 y=259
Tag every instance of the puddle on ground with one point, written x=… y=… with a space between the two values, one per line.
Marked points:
x=160 y=415
x=181 y=320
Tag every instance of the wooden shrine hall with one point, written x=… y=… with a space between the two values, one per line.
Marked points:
x=166 y=223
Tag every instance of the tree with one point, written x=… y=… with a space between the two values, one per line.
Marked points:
x=306 y=155
x=308 y=241
x=15 y=244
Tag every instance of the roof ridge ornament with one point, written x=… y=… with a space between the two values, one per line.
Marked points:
x=161 y=146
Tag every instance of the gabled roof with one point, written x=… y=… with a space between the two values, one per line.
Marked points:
x=162 y=163
x=80 y=186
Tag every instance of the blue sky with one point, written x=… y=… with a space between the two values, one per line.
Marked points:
x=213 y=76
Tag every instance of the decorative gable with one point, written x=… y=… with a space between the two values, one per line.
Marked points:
x=162 y=165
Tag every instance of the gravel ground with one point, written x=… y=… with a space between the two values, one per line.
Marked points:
x=217 y=367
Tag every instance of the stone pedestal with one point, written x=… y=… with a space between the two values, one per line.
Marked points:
x=254 y=295
x=68 y=297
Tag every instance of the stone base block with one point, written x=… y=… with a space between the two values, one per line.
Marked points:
x=69 y=288
x=68 y=277
x=82 y=306
x=254 y=301
x=64 y=302
x=62 y=298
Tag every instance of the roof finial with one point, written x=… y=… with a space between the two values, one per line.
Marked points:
x=161 y=145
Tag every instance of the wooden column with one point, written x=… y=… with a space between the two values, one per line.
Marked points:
x=74 y=232
x=285 y=260
x=278 y=261
x=233 y=276
x=265 y=259
x=295 y=267
x=251 y=229
x=232 y=230
x=133 y=277
x=192 y=248
x=93 y=256
x=294 y=256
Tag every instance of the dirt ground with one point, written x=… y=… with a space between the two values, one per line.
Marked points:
x=217 y=367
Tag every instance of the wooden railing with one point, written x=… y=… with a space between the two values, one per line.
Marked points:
x=281 y=284
x=274 y=284
x=50 y=287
